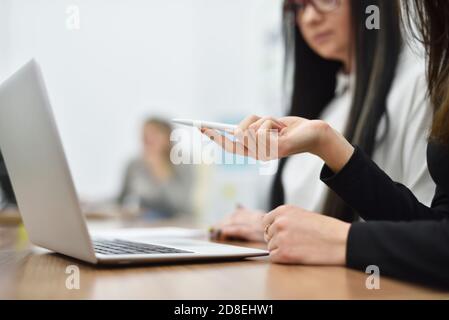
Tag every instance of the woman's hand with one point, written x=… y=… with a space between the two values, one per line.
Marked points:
x=243 y=224
x=268 y=139
x=257 y=136
x=296 y=236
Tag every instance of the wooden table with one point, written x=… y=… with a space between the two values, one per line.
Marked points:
x=27 y=272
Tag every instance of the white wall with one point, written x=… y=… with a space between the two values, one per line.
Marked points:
x=4 y=36
x=206 y=59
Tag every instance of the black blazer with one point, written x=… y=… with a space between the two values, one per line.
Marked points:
x=408 y=240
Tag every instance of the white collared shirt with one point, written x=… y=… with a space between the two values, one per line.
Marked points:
x=402 y=154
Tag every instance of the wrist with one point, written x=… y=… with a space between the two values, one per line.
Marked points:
x=341 y=242
x=333 y=148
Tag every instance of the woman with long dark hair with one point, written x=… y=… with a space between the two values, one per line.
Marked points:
x=359 y=81
x=404 y=238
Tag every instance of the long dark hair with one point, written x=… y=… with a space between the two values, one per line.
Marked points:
x=314 y=80
x=432 y=21
x=5 y=183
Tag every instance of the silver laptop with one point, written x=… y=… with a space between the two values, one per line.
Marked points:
x=46 y=196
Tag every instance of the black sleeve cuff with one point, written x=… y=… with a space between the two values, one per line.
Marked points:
x=412 y=251
x=397 y=247
x=359 y=254
x=349 y=171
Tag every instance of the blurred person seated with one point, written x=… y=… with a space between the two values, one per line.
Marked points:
x=152 y=184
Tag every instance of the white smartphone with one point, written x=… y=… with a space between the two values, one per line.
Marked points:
x=206 y=124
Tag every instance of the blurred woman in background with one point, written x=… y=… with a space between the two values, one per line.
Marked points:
x=362 y=82
x=152 y=182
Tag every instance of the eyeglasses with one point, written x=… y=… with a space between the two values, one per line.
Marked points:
x=322 y=6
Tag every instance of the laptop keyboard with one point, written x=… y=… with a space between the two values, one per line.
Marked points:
x=121 y=247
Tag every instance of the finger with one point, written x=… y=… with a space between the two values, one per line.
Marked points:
x=225 y=143
x=226 y=220
x=271 y=217
x=287 y=121
x=267 y=141
x=244 y=125
x=248 y=139
x=261 y=139
x=270 y=232
x=257 y=137
x=239 y=217
x=273 y=245
x=276 y=124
